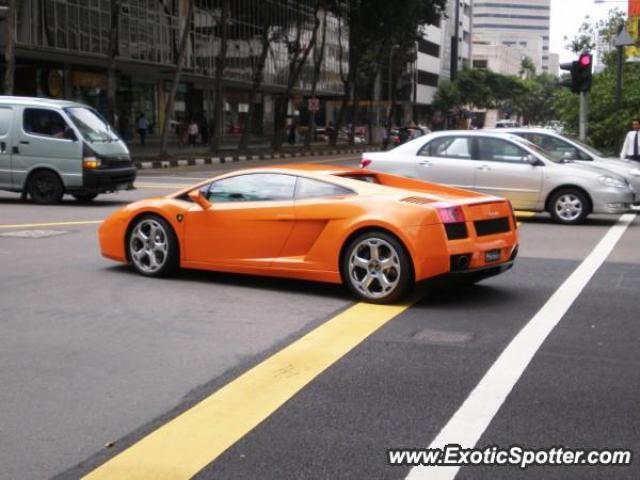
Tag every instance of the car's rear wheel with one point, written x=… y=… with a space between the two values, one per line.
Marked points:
x=84 y=196
x=152 y=247
x=377 y=268
x=569 y=206
x=45 y=188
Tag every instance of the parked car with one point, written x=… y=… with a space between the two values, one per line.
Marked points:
x=52 y=147
x=564 y=147
x=376 y=233
x=507 y=123
x=508 y=166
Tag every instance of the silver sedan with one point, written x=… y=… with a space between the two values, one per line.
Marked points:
x=511 y=167
x=562 y=147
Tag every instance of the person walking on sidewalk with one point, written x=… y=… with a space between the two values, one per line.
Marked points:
x=192 y=130
x=631 y=148
x=143 y=126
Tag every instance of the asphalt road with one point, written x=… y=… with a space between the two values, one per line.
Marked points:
x=94 y=358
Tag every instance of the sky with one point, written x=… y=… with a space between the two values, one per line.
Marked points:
x=568 y=15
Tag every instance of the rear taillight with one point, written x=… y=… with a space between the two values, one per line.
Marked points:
x=450 y=214
x=365 y=162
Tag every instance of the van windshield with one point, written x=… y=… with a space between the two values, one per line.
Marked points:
x=92 y=126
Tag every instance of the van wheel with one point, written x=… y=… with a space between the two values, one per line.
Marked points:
x=569 y=206
x=84 y=196
x=45 y=188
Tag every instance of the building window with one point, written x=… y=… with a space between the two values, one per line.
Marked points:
x=428 y=78
x=429 y=48
x=480 y=64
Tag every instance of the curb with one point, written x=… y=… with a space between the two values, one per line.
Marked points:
x=245 y=157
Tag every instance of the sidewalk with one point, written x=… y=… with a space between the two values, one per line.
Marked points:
x=147 y=156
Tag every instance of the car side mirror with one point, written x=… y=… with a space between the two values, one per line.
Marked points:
x=69 y=134
x=532 y=160
x=568 y=156
x=197 y=197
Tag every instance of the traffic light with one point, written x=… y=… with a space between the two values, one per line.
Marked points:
x=580 y=73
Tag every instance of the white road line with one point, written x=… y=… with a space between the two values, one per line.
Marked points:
x=471 y=420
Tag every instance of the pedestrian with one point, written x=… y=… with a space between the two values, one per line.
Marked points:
x=143 y=126
x=192 y=130
x=292 y=133
x=631 y=148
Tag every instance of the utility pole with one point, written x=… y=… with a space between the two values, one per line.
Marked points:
x=622 y=40
x=584 y=115
x=455 y=43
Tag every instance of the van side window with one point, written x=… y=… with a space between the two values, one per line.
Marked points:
x=40 y=121
x=5 y=120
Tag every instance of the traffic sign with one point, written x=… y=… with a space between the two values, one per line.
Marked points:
x=313 y=104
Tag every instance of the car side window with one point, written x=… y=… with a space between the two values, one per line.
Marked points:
x=498 y=150
x=253 y=187
x=556 y=147
x=448 y=147
x=309 y=188
x=44 y=122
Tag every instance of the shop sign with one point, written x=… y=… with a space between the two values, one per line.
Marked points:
x=88 y=80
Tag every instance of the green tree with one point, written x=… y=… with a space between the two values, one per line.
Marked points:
x=527 y=68
x=607 y=124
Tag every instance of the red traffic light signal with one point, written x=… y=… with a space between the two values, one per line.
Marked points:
x=585 y=60
x=580 y=77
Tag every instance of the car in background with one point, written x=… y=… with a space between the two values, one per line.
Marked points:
x=507 y=123
x=508 y=166
x=376 y=233
x=563 y=147
x=410 y=133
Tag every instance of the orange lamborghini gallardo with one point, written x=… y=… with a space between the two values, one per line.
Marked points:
x=376 y=233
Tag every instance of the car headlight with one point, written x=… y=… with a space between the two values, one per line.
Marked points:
x=612 y=182
x=635 y=172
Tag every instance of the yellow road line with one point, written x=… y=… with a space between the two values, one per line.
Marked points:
x=525 y=214
x=185 y=445
x=163 y=185
x=51 y=224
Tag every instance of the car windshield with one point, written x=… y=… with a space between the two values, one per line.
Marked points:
x=537 y=149
x=588 y=148
x=92 y=126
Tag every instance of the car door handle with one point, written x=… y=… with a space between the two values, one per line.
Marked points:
x=425 y=163
x=484 y=168
x=24 y=142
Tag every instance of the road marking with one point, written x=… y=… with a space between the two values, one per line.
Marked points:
x=185 y=445
x=471 y=420
x=51 y=224
x=525 y=214
x=164 y=185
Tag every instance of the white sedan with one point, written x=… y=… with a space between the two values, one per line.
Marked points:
x=509 y=166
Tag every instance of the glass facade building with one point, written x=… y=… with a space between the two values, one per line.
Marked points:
x=62 y=48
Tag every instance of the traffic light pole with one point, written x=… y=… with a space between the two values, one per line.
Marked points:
x=584 y=115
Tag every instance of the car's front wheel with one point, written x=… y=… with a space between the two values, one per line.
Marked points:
x=569 y=206
x=152 y=247
x=377 y=268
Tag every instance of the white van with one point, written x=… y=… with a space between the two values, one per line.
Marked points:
x=52 y=147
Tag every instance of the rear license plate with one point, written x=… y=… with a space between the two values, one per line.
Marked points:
x=492 y=256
